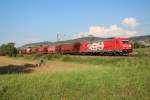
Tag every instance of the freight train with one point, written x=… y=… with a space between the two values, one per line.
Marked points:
x=114 y=46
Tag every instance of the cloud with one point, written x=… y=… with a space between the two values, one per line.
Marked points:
x=130 y=22
x=112 y=31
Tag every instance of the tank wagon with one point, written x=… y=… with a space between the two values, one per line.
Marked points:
x=114 y=46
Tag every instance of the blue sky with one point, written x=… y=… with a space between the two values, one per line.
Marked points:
x=25 y=21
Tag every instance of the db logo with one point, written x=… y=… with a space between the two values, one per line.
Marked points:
x=96 y=46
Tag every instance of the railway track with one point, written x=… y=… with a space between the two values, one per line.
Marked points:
x=131 y=55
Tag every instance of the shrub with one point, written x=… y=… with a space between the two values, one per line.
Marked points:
x=67 y=58
x=8 y=49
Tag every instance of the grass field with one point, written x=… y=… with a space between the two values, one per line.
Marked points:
x=77 y=78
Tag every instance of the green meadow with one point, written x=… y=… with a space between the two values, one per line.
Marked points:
x=78 y=77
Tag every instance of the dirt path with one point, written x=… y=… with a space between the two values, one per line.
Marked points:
x=17 y=65
x=14 y=61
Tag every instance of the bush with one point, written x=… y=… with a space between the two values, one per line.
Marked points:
x=37 y=56
x=67 y=58
x=19 y=55
x=8 y=49
x=52 y=56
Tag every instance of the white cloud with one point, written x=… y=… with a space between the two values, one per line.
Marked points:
x=130 y=22
x=112 y=31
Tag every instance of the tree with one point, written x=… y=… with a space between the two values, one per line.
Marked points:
x=8 y=49
x=2 y=50
x=135 y=45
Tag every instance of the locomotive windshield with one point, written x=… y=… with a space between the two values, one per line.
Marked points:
x=125 y=42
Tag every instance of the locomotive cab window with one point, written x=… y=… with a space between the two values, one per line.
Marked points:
x=125 y=42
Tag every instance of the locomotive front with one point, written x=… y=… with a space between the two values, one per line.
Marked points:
x=126 y=46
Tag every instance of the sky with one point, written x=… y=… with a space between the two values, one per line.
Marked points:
x=28 y=21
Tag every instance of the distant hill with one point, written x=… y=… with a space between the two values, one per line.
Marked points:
x=36 y=44
x=141 y=40
x=90 y=39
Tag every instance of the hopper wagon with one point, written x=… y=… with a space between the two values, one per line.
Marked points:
x=42 y=50
x=51 y=49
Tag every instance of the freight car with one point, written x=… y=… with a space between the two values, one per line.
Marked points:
x=42 y=49
x=28 y=50
x=69 y=48
x=22 y=51
x=51 y=49
x=34 y=50
x=114 y=46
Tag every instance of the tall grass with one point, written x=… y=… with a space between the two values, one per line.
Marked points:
x=100 y=82
x=113 y=78
x=140 y=53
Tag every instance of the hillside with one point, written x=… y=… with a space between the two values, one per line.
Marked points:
x=141 y=40
x=67 y=41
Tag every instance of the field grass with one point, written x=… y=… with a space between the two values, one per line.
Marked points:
x=79 y=78
x=15 y=61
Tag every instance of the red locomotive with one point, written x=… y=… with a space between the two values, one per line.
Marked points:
x=114 y=46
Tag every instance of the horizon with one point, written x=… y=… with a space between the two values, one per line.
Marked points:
x=34 y=21
x=77 y=38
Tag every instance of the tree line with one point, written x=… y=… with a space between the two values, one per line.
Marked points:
x=8 y=49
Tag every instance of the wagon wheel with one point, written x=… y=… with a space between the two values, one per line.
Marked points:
x=125 y=53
